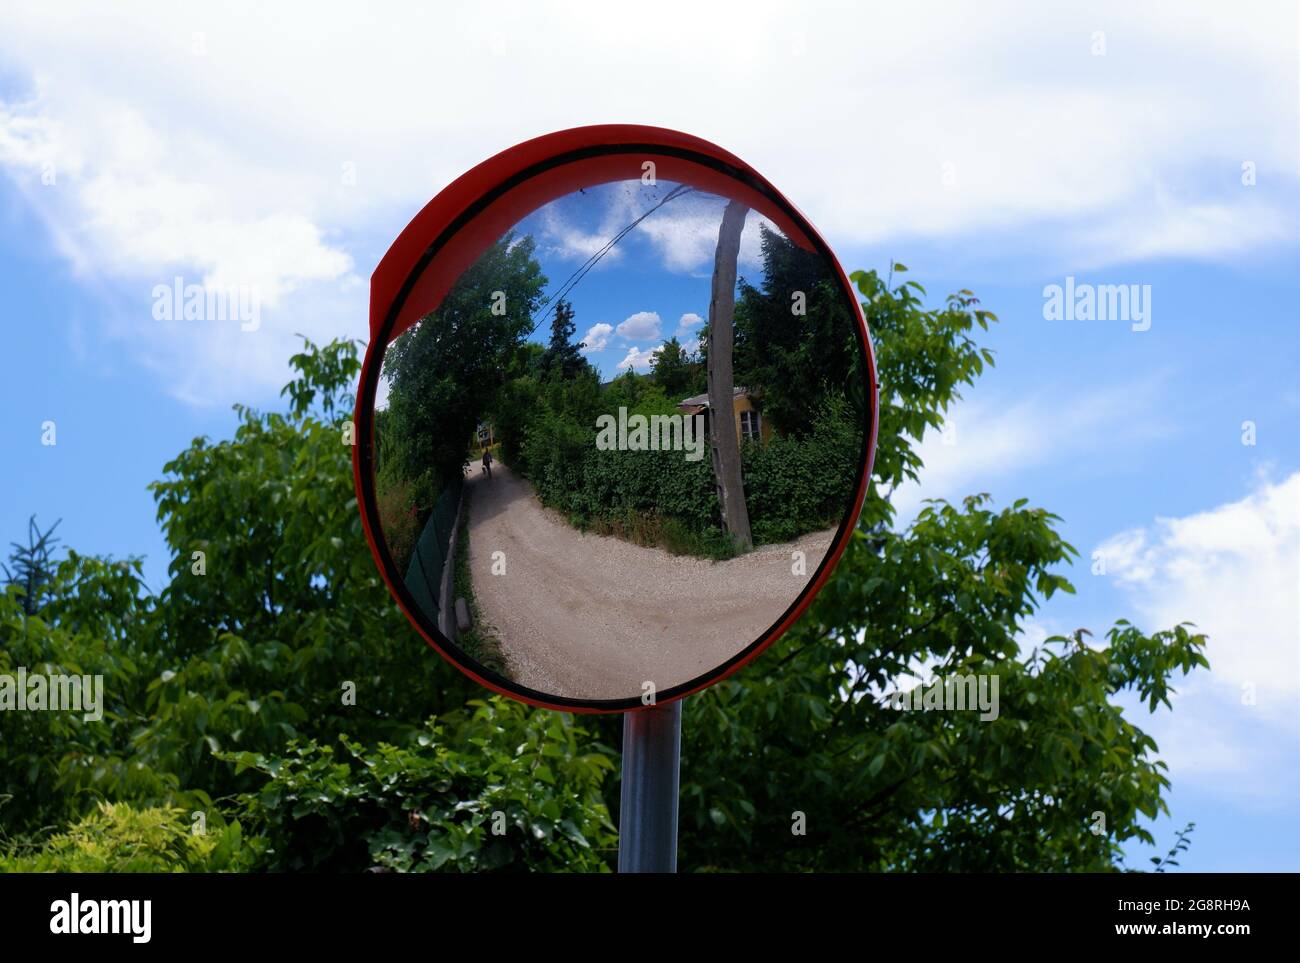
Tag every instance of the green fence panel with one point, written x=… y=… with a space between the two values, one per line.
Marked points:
x=424 y=574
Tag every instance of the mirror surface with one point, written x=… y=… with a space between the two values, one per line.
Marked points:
x=615 y=455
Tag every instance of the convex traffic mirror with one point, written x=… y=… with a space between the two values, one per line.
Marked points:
x=615 y=419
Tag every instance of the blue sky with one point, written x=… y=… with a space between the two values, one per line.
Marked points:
x=999 y=147
x=654 y=284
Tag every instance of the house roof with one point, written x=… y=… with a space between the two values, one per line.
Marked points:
x=702 y=401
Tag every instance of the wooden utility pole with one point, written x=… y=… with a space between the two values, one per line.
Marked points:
x=722 y=416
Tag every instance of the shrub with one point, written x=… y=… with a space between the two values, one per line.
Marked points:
x=496 y=786
x=660 y=531
x=792 y=485
x=116 y=838
x=798 y=485
x=399 y=518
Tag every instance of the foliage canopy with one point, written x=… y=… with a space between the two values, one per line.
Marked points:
x=227 y=691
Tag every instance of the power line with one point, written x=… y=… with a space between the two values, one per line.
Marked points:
x=572 y=280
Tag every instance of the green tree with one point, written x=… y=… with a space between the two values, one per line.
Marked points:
x=275 y=641
x=671 y=368
x=794 y=334
x=95 y=619
x=33 y=564
x=563 y=358
x=225 y=692
x=808 y=730
x=625 y=390
x=445 y=371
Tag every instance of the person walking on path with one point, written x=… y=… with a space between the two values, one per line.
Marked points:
x=487 y=462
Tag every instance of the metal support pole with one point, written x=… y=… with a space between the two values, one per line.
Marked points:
x=652 y=749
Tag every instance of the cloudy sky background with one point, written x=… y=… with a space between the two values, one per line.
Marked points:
x=653 y=284
x=1000 y=147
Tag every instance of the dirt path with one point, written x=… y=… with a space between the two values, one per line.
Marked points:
x=593 y=617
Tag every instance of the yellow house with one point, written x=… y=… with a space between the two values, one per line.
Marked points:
x=750 y=423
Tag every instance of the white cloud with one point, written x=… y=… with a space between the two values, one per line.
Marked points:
x=131 y=208
x=688 y=323
x=564 y=239
x=1189 y=229
x=143 y=208
x=1229 y=750
x=30 y=140
x=1233 y=570
x=684 y=234
x=641 y=326
x=213 y=145
x=597 y=339
x=639 y=360
x=991 y=438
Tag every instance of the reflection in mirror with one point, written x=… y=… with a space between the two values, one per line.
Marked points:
x=615 y=455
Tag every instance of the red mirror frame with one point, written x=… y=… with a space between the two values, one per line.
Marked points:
x=473 y=212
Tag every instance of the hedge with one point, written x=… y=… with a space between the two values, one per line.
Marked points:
x=792 y=485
